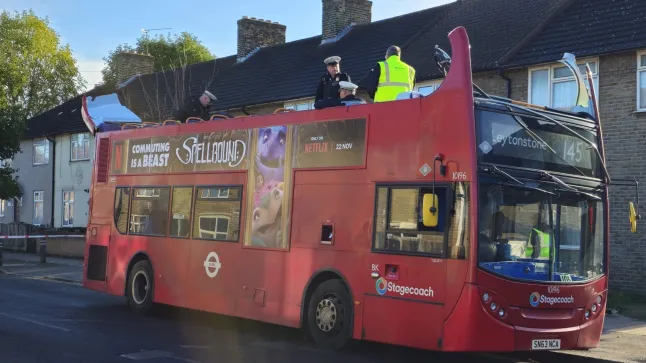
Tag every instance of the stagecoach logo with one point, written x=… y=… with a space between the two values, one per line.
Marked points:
x=212 y=264
x=384 y=286
x=536 y=299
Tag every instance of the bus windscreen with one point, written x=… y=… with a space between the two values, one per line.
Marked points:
x=502 y=140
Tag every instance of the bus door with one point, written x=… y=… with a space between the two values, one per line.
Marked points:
x=405 y=275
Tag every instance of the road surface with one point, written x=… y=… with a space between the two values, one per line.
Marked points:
x=49 y=321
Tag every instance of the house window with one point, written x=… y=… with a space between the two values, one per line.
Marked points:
x=41 y=152
x=2 y=207
x=428 y=88
x=38 y=207
x=300 y=106
x=80 y=147
x=68 y=209
x=641 y=81
x=555 y=86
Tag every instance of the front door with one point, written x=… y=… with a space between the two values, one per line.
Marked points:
x=405 y=274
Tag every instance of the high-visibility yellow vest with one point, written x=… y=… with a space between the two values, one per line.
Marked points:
x=395 y=77
x=545 y=244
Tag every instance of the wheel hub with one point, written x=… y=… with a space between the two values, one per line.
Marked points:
x=140 y=287
x=326 y=314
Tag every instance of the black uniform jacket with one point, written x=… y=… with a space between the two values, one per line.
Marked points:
x=329 y=87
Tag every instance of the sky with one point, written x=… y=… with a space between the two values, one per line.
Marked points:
x=93 y=28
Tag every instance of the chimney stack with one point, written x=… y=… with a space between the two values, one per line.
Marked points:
x=129 y=64
x=254 y=33
x=339 y=14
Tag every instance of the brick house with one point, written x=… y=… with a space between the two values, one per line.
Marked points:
x=515 y=48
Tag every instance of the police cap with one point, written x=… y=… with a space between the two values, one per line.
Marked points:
x=332 y=60
x=348 y=86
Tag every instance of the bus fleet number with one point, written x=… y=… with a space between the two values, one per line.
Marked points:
x=459 y=175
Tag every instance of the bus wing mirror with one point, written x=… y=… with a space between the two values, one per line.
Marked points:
x=632 y=217
x=430 y=208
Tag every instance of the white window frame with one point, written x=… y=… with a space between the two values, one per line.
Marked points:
x=551 y=81
x=80 y=143
x=45 y=145
x=300 y=105
x=68 y=208
x=433 y=85
x=3 y=205
x=41 y=200
x=641 y=68
x=222 y=193
x=214 y=234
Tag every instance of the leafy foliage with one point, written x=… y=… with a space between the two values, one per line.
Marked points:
x=169 y=52
x=36 y=74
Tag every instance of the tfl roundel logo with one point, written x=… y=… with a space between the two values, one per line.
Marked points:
x=534 y=299
x=381 y=285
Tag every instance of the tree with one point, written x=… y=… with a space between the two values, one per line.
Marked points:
x=169 y=52
x=36 y=74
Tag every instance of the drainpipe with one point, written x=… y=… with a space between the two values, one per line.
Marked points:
x=53 y=141
x=501 y=74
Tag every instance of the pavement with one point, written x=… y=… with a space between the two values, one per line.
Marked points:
x=48 y=318
x=55 y=268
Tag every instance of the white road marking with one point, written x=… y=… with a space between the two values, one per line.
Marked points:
x=35 y=322
x=148 y=354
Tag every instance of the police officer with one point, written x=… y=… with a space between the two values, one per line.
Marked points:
x=329 y=83
x=347 y=93
x=195 y=107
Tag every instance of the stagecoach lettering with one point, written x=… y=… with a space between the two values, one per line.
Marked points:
x=231 y=152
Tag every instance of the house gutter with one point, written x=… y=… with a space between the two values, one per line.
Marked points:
x=501 y=74
x=53 y=178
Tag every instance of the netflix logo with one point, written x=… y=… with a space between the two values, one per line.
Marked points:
x=316 y=147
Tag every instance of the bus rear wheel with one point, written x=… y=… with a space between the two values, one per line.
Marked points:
x=329 y=315
x=140 y=288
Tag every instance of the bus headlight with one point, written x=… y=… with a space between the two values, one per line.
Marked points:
x=493 y=306
x=485 y=297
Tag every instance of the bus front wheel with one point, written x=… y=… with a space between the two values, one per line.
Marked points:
x=329 y=315
x=140 y=288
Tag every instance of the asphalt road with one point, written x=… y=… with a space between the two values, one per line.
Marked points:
x=46 y=321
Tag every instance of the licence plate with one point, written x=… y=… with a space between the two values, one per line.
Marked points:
x=546 y=344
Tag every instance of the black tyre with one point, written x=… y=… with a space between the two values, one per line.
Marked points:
x=140 y=288
x=329 y=315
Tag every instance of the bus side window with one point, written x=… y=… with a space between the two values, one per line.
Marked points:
x=399 y=223
x=459 y=222
x=180 y=223
x=121 y=208
x=149 y=211
x=217 y=213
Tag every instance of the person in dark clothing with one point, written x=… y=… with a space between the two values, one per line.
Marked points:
x=195 y=108
x=347 y=97
x=328 y=86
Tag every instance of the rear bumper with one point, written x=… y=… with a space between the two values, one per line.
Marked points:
x=472 y=328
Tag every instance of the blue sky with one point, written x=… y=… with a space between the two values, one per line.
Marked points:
x=93 y=28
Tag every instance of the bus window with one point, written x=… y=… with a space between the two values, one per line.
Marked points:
x=459 y=222
x=399 y=221
x=121 y=208
x=149 y=211
x=217 y=213
x=180 y=223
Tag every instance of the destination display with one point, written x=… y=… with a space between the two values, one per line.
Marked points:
x=330 y=144
x=502 y=140
x=217 y=151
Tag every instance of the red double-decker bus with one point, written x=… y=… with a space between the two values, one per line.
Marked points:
x=454 y=222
